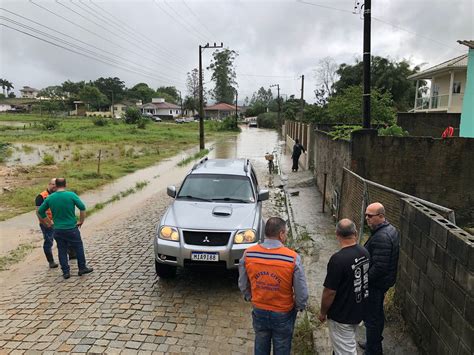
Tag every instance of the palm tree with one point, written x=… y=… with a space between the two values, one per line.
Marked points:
x=3 y=83
x=8 y=86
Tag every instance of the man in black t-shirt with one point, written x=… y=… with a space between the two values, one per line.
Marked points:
x=346 y=289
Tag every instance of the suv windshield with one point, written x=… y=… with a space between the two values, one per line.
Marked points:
x=211 y=187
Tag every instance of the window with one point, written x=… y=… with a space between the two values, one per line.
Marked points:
x=456 y=87
x=171 y=112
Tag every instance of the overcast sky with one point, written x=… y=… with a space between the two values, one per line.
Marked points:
x=156 y=41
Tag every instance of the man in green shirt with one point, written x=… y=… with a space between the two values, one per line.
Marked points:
x=66 y=230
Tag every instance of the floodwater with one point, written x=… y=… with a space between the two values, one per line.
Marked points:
x=252 y=143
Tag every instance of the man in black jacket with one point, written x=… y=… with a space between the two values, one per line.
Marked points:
x=297 y=149
x=383 y=247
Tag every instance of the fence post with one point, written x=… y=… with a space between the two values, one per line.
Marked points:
x=365 y=197
x=98 y=163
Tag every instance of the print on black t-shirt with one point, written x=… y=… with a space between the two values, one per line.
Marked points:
x=347 y=274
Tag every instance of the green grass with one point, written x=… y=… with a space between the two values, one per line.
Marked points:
x=151 y=145
x=196 y=156
x=15 y=256
x=303 y=335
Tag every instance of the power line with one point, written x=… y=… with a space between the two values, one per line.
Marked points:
x=178 y=16
x=175 y=20
x=198 y=19
x=380 y=20
x=78 y=40
x=75 y=52
x=122 y=38
x=270 y=76
x=138 y=35
x=95 y=54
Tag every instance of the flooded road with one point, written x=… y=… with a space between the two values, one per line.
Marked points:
x=251 y=143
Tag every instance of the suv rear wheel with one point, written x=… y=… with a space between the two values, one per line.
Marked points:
x=165 y=271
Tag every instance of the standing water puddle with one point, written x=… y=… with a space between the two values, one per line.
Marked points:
x=252 y=143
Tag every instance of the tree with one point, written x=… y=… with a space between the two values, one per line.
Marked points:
x=141 y=92
x=72 y=89
x=169 y=93
x=326 y=76
x=259 y=102
x=111 y=86
x=346 y=106
x=192 y=87
x=6 y=85
x=54 y=92
x=92 y=96
x=386 y=76
x=223 y=75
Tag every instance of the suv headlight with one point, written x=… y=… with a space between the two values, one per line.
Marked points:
x=169 y=233
x=245 y=236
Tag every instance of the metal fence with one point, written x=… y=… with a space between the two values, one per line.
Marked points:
x=357 y=193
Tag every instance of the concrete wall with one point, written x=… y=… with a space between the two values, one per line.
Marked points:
x=435 y=285
x=437 y=170
x=329 y=157
x=428 y=124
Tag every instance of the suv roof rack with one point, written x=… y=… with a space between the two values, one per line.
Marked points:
x=199 y=163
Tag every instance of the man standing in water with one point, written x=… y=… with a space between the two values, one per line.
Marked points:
x=66 y=230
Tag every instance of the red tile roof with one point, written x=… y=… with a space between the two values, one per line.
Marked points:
x=221 y=106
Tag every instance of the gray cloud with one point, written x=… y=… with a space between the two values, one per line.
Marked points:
x=283 y=38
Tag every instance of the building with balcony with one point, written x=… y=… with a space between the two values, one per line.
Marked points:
x=448 y=85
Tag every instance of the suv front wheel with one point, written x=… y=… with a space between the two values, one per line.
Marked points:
x=165 y=271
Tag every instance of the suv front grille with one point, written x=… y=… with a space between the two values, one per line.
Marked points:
x=210 y=239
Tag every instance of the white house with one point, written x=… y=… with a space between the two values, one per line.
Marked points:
x=120 y=107
x=158 y=107
x=448 y=84
x=29 y=93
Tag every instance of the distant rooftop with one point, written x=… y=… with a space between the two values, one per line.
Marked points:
x=470 y=44
x=455 y=63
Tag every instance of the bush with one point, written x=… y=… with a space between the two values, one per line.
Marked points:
x=268 y=120
x=48 y=159
x=393 y=130
x=49 y=124
x=5 y=151
x=100 y=121
x=142 y=122
x=132 y=115
x=228 y=124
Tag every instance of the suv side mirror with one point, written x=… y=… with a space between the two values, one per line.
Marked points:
x=171 y=191
x=263 y=195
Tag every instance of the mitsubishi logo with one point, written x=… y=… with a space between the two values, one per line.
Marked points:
x=206 y=239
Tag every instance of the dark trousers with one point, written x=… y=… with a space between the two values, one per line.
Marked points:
x=69 y=238
x=48 y=239
x=295 y=163
x=374 y=321
x=276 y=327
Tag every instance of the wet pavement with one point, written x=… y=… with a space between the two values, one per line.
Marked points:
x=122 y=307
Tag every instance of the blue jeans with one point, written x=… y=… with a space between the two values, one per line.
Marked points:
x=69 y=238
x=374 y=321
x=276 y=326
x=48 y=239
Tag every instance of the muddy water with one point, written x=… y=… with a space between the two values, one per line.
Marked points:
x=252 y=143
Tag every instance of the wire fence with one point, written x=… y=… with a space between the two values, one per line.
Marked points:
x=357 y=193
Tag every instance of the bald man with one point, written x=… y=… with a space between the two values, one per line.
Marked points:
x=383 y=246
x=346 y=289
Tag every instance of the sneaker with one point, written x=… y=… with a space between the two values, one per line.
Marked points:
x=66 y=276
x=52 y=265
x=86 y=270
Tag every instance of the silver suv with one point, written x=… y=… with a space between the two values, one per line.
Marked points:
x=215 y=216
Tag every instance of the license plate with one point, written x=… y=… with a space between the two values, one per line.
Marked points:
x=200 y=256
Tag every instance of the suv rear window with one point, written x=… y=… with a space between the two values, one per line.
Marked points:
x=213 y=187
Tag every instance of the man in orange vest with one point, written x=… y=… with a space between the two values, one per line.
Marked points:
x=47 y=230
x=272 y=277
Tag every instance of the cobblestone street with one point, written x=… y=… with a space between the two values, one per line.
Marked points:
x=122 y=306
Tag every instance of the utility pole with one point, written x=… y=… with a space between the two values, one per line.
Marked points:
x=201 y=95
x=278 y=100
x=302 y=98
x=366 y=95
x=236 y=107
x=113 y=109
x=181 y=102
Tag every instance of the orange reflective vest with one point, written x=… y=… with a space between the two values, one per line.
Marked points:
x=270 y=272
x=45 y=194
